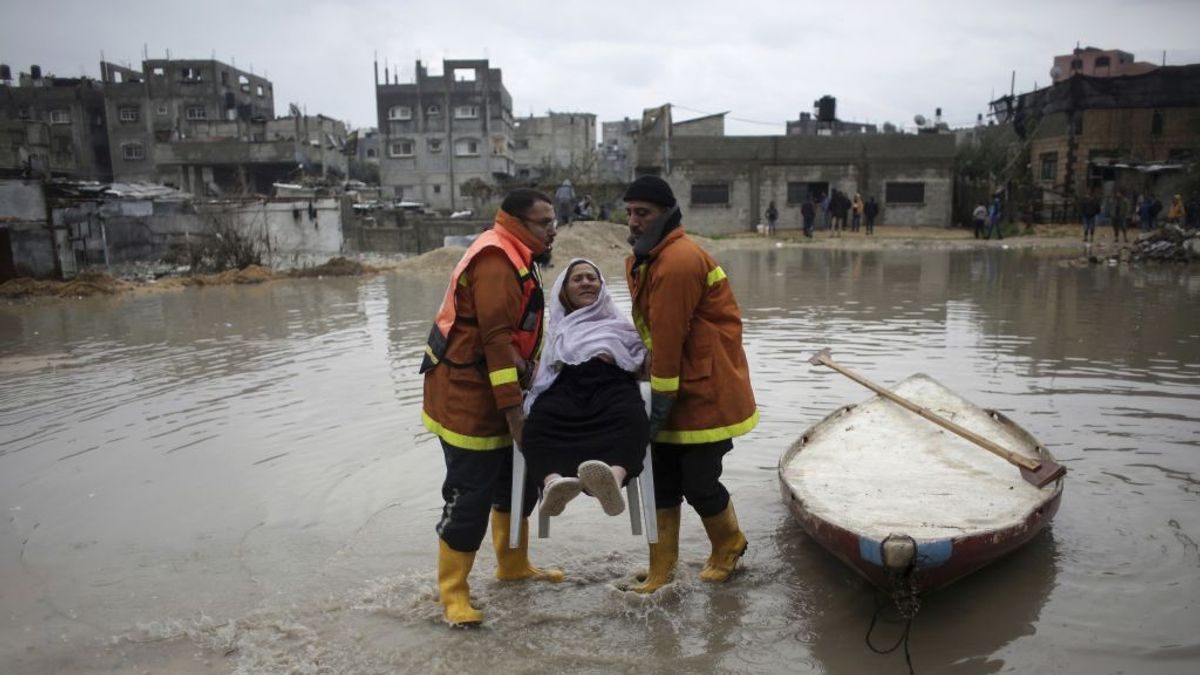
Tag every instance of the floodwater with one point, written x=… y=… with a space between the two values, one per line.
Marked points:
x=235 y=479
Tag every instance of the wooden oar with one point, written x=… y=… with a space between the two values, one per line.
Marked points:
x=1037 y=472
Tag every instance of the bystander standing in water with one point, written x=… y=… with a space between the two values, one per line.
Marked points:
x=772 y=218
x=856 y=212
x=870 y=213
x=1088 y=210
x=1121 y=209
x=980 y=215
x=995 y=216
x=808 y=213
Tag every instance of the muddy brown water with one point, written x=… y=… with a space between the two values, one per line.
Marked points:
x=235 y=479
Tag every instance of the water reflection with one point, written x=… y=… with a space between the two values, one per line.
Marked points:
x=255 y=454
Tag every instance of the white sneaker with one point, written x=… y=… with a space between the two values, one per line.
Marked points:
x=558 y=493
x=598 y=480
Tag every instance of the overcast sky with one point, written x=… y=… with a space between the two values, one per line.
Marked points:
x=764 y=62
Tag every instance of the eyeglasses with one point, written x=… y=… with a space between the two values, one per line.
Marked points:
x=548 y=224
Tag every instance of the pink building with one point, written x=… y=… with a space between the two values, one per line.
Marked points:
x=1097 y=63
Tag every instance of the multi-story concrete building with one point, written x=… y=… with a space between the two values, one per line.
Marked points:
x=724 y=183
x=618 y=149
x=1089 y=135
x=558 y=141
x=444 y=131
x=54 y=125
x=1095 y=62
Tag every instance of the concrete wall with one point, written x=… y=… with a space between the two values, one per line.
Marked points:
x=21 y=199
x=294 y=232
x=407 y=235
x=758 y=169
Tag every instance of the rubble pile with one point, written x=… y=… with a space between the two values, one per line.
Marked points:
x=334 y=267
x=1169 y=243
x=85 y=285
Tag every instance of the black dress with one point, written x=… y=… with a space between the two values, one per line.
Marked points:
x=592 y=411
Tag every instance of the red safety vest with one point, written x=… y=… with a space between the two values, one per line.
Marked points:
x=527 y=334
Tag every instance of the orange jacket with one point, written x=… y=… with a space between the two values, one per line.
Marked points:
x=685 y=311
x=462 y=404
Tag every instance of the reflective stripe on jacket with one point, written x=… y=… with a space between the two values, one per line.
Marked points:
x=685 y=310
x=490 y=315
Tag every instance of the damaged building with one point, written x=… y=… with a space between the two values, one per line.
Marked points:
x=444 y=131
x=201 y=125
x=724 y=183
x=556 y=142
x=1087 y=135
x=53 y=125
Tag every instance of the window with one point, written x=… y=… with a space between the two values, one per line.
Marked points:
x=522 y=144
x=196 y=112
x=399 y=112
x=433 y=111
x=1156 y=123
x=1049 y=166
x=225 y=78
x=60 y=116
x=466 y=147
x=162 y=110
x=466 y=112
x=133 y=151
x=258 y=91
x=435 y=145
x=244 y=84
x=1077 y=64
x=437 y=189
x=158 y=71
x=710 y=193
x=1102 y=62
x=371 y=152
x=798 y=193
x=128 y=113
x=401 y=148
x=905 y=193
x=189 y=74
x=1077 y=123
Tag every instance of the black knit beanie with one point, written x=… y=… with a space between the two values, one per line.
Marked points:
x=650 y=189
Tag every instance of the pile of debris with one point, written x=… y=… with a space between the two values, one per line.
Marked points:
x=1169 y=243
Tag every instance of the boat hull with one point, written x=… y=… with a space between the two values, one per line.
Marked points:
x=939 y=560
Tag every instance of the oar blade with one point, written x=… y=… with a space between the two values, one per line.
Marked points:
x=1046 y=473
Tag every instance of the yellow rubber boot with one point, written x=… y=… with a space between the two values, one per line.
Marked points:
x=512 y=564
x=453 y=569
x=728 y=544
x=664 y=554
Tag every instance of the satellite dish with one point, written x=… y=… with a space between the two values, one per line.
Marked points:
x=1055 y=72
x=920 y=120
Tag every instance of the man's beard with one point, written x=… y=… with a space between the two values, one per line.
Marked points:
x=543 y=258
x=631 y=239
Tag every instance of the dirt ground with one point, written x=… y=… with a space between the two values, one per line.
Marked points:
x=601 y=242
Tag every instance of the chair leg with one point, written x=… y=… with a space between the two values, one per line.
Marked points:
x=635 y=507
x=517 y=505
x=649 y=505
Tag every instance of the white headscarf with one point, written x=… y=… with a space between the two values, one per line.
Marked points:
x=571 y=339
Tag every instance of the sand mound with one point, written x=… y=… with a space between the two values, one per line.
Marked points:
x=335 y=267
x=252 y=274
x=85 y=285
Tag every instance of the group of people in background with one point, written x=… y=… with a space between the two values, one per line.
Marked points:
x=1119 y=208
x=988 y=219
x=836 y=207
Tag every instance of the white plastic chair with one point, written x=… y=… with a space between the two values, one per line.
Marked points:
x=640 y=491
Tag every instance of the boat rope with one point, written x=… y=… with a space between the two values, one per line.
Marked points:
x=905 y=600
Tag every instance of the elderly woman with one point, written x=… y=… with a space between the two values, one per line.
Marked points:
x=587 y=428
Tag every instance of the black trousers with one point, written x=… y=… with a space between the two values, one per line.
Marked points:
x=476 y=482
x=691 y=472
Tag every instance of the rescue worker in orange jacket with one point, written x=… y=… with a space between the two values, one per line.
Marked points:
x=483 y=345
x=701 y=397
